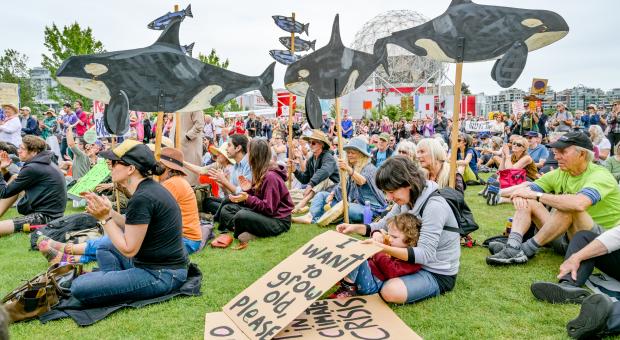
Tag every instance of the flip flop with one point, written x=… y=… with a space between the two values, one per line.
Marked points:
x=222 y=241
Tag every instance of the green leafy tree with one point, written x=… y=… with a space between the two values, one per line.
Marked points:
x=61 y=44
x=465 y=89
x=14 y=69
x=215 y=60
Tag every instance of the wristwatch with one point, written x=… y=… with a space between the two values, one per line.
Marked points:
x=538 y=196
x=105 y=220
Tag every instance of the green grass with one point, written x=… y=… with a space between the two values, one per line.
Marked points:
x=487 y=303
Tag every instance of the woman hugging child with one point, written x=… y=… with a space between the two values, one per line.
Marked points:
x=368 y=278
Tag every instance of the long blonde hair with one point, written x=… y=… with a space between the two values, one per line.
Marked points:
x=438 y=155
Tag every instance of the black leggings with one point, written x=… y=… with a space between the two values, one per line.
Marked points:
x=235 y=217
x=608 y=263
x=211 y=205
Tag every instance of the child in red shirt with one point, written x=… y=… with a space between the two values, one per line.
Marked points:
x=368 y=278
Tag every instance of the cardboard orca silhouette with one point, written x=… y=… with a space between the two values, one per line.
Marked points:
x=160 y=77
x=485 y=33
x=330 y=72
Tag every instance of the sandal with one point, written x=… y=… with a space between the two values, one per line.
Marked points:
x=222 y=241
x=241 y=246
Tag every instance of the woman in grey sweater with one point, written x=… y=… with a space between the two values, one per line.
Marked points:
x=438 y=250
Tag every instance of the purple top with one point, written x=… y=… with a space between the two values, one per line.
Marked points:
x=272 y=199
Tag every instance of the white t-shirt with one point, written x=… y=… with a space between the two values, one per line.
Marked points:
x=219 y=124
x=604 y=144
x=11 y=131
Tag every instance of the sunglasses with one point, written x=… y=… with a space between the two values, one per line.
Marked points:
x=314 y=143
x=518 y=144
x=112 y=163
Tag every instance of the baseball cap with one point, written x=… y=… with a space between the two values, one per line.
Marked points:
x=132 y=152
x=531 y=134
x=592 y=106
x=384 y=136
x=25 y=108
x=573 y=138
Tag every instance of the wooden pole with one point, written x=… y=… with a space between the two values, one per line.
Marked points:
x=343 y=175
x=454 y=135
x=158 y=133
x=177 y=116
x=118 y=203
x=290 y=115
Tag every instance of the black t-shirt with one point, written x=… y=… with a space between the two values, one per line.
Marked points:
x=162 y=247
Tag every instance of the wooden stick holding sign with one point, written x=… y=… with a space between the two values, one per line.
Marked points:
x=177 y=116
x=454 y=135
x=114 y=188
x=343 y=174
x=158 y=133
x=291 y=154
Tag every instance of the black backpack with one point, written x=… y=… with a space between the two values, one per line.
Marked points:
x=456 y=201
x=58 y=228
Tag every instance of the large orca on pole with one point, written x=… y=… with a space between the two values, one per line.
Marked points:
x=469 y=32
x=330 y=72
x=160 y=77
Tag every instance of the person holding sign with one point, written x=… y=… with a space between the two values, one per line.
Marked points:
x=437 y=250
x=142 y=256
x=264 y=206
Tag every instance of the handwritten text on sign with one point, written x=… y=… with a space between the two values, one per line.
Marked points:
x=262 y=310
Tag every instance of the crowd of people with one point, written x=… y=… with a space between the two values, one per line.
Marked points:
x=560 y=172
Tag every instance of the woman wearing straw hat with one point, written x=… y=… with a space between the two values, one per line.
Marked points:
x=319 y=172
x=49 y=127
x=361 y=187
x=11 y=127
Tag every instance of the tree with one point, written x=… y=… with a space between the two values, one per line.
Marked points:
x=71 y=41
x=214 y=59
x=14 y=69
x=465 y=89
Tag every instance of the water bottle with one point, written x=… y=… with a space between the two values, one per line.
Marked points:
x=367 y=213
x=508 y=226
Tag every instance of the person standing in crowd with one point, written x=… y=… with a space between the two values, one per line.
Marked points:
x=67 y=120
x=84 y=155
x=192 y=124
x=10 y=127
x=85 y=119
x=600 y=141
x=219 y=123
x=264 y=206
x=591 y=117
x=562 y=120
x=43 y=185
x=585 y=197
x=440 y=124
x=209 y=128
x=347 y=126
x=49 y=127
x=382 y=152
x=427 y=129
x=252 y=125
x=267 y=131
x=142 y=256
x=238 y=127
x=537 y=151
x=135 y=123
x=542 y=121
x=614 y=125
x=30 y=126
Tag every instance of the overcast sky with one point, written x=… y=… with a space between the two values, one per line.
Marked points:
x=243 y=31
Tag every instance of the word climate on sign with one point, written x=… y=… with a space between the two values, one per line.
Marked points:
x=266 y=307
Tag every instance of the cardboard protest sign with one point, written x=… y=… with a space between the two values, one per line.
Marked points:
x=477 y=126
x=359 y=317
x=517 y=107
x=98 y=108
x=9 y=94
x=267 y=306
x=94 y=177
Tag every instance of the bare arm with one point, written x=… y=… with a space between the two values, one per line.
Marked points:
x=70 y=138
x=194 y=168
x=566 y=202
x=521 y=163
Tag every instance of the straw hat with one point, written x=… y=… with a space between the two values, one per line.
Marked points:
x=165 y=142
x=173 y=159
x=11 y=106
x=319 y=136
x=222 y=150
x=51 y=110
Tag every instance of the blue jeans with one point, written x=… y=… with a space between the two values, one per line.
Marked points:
x=90 y=252
x=421 y=285
x=367 y=284
x=356 y=211
x=191 y=246
x=118 y=280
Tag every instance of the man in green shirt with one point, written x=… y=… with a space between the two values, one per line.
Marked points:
x=84 y=157
x=583 y=195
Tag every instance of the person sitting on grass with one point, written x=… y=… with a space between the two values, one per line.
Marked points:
x=518 y=158
x=583 y=195
x=361 y=187
x=612 y=163
x=537 y=151
x=434 y=160
x=142 y=255
x=84 y=155
x=264 y=208
x=403 y=231
x=319 y=172
x=586 y=251
x=437 y=250
x=43 y=185
x=467 y=159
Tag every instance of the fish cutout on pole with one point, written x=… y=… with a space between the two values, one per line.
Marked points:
x=157 y=78
x=284 y=57
x=188 y=49
x=314 y=75
x=163 y=21
x=488 y=32
x=300 y=44
x=290 y=25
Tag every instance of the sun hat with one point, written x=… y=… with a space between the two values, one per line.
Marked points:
x=132 y=152
x=165 y=142
x=25 y=108
x=319 y=136
x=51 y=110
x=173 y=159
x=223 y=149
x=12 y=106
x=359 y=145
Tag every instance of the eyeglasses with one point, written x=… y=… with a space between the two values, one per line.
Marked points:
x=518 y=144
x=403 y=152
x=461 y=140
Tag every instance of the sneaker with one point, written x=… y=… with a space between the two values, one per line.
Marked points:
x=344 y=291
x=493 y=197
x=508 y=255
x=496 y=246
x=562 y=292
x=592 y=318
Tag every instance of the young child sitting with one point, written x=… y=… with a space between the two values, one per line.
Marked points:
x=368 y=278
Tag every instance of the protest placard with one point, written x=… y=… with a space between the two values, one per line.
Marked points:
x=88 y=182
x=98 y=108
x=359 y=317
x=477 y=126
x=268 y=305
x=9 y=94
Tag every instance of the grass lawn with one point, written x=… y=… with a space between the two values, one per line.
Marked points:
x=487 y=303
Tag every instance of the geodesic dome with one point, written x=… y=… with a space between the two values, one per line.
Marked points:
x=405 y=68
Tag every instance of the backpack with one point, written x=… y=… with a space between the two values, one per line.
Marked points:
x=462 y=213
x=58 y=229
